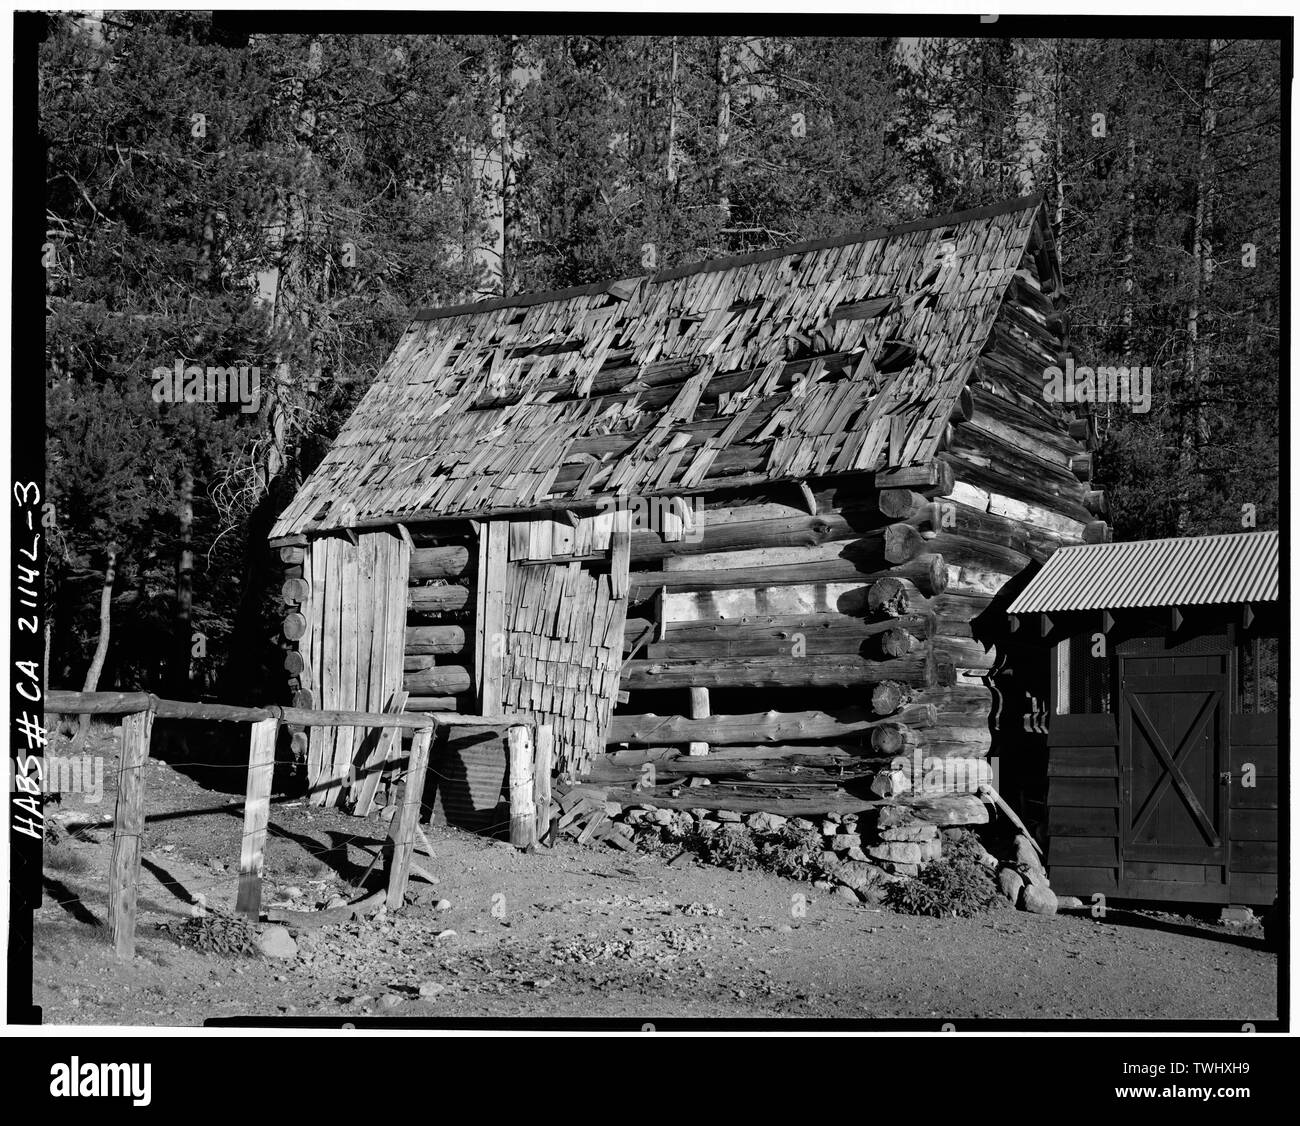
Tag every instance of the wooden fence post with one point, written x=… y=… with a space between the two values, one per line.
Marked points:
x=523 y=813
x=128 y=823
x=257 y=812
x=407 y=819
x=544 y=757
x=543 y=753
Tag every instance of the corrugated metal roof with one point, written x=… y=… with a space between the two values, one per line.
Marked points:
x=1192 y=571
x=470 y=773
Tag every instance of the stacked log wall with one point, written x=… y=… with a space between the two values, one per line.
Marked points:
x=437 y=619
x=769 y=594
x=439 y=647
x=295 y=590
x=895 y=595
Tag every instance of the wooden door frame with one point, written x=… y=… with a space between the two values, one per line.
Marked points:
x=489 y=615
x=1209 y=856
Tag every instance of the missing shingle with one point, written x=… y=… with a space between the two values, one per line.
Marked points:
x=895 y=356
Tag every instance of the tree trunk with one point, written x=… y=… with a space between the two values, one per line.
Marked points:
x=671 y=172
x=101 y=647
x=180 y=671
x=1058 y=165
x=1104 y=414
x=508 y=205
x=291 y=291
x=1193 y=434
x=294 y=286
x=499 y=166
x=1130 y=217
x=723 y=76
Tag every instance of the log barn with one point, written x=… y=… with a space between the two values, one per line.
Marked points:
x=1162 y=768
x=742 y=533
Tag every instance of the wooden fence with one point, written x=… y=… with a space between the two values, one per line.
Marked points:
x=529 y=780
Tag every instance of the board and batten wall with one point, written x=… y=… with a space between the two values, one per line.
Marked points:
x=344 y=625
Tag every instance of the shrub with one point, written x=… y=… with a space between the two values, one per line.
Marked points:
x=725 y=848
x=215 y=932
x=656 y=840
x=309 y=866
x=792 y=853
x=64 y=858
x=957 y=884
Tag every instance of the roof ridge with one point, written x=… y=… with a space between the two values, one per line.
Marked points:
x=710 y=265
x=1179 y=539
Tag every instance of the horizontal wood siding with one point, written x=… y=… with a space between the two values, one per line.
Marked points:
x=1082 y=731
x=1262 y=795
x=1254 y=856
x=1085 y=852
x=1081 y=821
x=1082 y=762
x=1256 y=888
x=1083 y=881
x=1254 y=729
x=1165 y=872
x=1252 y=825
x=1263 y=760
x=1083 y=805
x=1062 y=792
x=1253 y=829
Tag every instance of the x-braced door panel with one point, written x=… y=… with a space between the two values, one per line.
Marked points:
x=1173 y=746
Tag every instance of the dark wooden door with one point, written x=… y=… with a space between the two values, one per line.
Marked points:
x=1173 y=800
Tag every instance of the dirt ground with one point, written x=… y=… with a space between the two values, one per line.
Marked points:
x=581 y=932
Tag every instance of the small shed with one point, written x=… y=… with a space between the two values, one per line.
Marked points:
x=1162 y=770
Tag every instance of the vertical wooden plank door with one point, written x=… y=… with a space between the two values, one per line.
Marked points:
x=551 y=621
x=1173 y=759
x=357 y=631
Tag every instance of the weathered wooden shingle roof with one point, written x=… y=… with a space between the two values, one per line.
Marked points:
x=836 y=356
x=1193 y=571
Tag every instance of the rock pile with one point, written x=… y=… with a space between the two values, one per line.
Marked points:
x=1023 y=880
x=859 y=855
